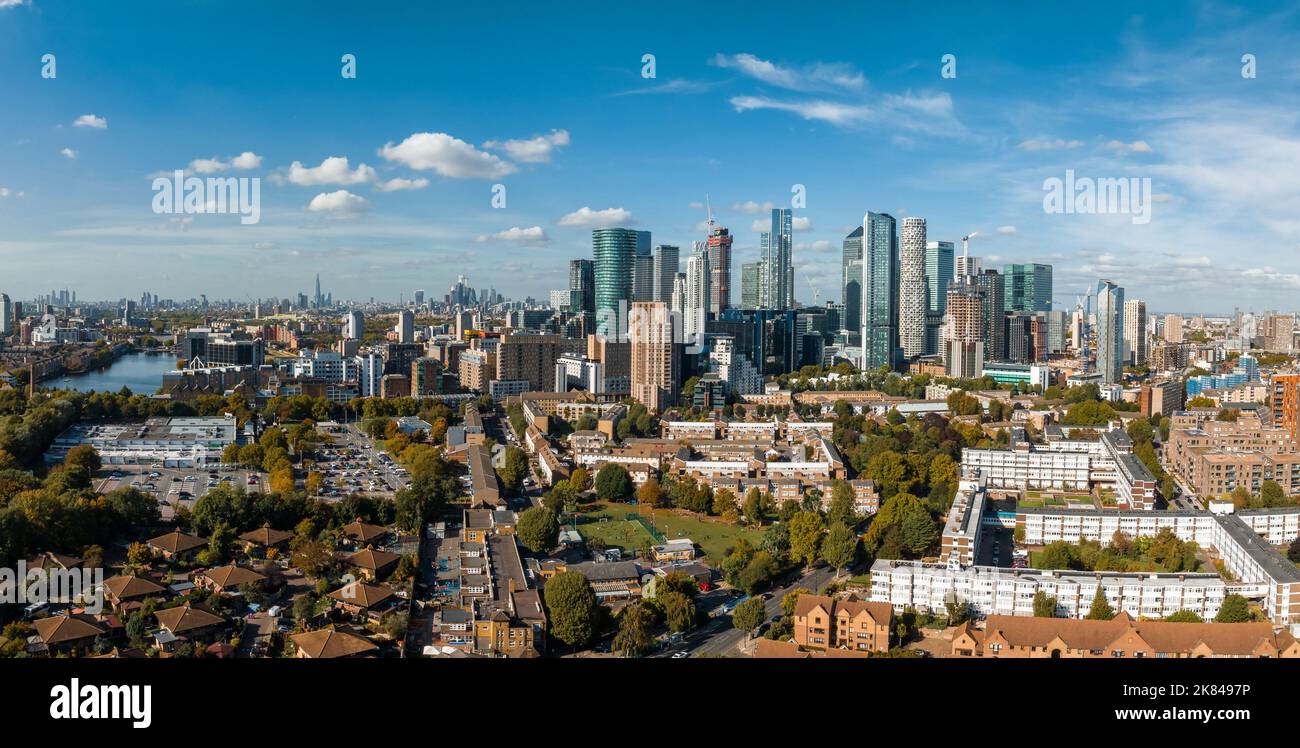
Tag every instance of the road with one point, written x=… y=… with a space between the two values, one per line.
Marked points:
x=718 y=637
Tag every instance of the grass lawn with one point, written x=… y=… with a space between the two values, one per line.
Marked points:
x=616 y=533
x=712 y=535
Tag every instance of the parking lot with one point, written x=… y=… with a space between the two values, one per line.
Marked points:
x=351 y=465
x=174 y=487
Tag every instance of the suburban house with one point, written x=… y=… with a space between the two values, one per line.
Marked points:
x=64 y=634
x=121 y=590
x=361 y=534
x=265 y=538
x=330 y=643
x=228 y=579
x=50 y=560
x=176 y=545
x=186 y=623
x=360 y=599
x=373 y=565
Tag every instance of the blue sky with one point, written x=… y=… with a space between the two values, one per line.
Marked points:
x=748 y=100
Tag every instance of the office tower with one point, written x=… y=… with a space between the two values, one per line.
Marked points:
x=1110 y=332
x=406 y=326
x=879 y=290
x=613 y=258
x=1057 y=323
x=582 y=289
x=1029 y=287
x=667 y=259
x=678 y=302
x=775 y=247
x=643 y=276
x=993 y=284
x=719 y=268
x=1173 y=328
x=965 y=264
x=851 y=280
x=654 y=370
x=939 y=267
x=751 y=285
x=354 y=326
x=419 y=296
x=911 y=288
x=963 y=331
x=6 y=316
x=695 y=310
x=318 y=297
x=1135 y=332
x=370 y=370
x=1026 y=336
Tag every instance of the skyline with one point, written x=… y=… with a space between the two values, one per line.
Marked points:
x=382 y=184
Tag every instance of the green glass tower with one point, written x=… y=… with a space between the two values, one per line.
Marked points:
x=1029 y=288
x=613 y=253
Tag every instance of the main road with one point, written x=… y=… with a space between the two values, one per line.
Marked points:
x=719 y=638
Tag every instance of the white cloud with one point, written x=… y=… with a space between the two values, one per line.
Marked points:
x=402 y=183
x=530 y=235
x=798 y=224
x=446 y=155
x=826 y=111
x=818 y=76
x=534 y=150
x=338 y=203
x=91 y=121
x=69 y=153
x=245 y=160
x=1049 y=145
x=1006 y=230
x=333 y=170
x=13 y=3
x=585 y=217
x=1119 y=146
x=751 y=207
x=928 y=113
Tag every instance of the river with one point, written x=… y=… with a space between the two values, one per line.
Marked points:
x=140 y=372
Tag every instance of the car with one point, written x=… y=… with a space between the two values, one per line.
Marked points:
x=680 y=655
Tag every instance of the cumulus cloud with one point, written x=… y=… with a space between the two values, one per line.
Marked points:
x=446 y=155
x=530 y=235
x=401 y=183
x=338 y=203
x=91 y=121
x=1006 y=230
x=1119 y=146
x=333 y=170
x=751 y=207
x=817 y=76
x=535 y=150
x=585 y=217
x=245 y=160
x=69 y=153
x=1049 y=145
x=798 y=224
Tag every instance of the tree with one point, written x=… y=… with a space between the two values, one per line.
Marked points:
x=805 y=537
x=1044 y=605
x=791 y=599
x=613 y=483
x=648 y=493
x=1057 y=555
x=723 y=500
x=1293 y=551
x=919 y=532
x=841 y=509
x=754 y=506
x=1271 y=494
x=635 y=635
x=514 y=468
x=1235 y=609
x=538 y=529
x=679 y=611
x=749 y=614
x=839 y=547
x=83 y=456
x=571 y=605
x=1100 y=610
x=1184 y=616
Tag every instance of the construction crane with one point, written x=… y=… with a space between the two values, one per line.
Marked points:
x=965 y=243
x=816 y=293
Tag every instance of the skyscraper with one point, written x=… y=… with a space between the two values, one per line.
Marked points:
x=879 y=290
x=654 y=370
x=317 y=291
x=995 y=339
x=1029 y=288
x=613 y=257
x=911 y=293
x=719 y=269
x=353 y=326
x=582 y=287
x=643 y=270
x=963 y=332
x=751 y=285
x=851 y=280
x=6 y=321
x=1135 y=332
x=406 y=326
x=696 y=306
x=1110 y=331
x=939 y=258
x=667 y=258
x=775 y=247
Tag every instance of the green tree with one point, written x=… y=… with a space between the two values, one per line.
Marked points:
x=805 y=537
x=1184 y=616
x=538 y=529
x=571 y=605
x=1235 y=609
x=1100 y=610
x=635 y=635
x=514 y=468
x=749 y=614
x=83 y=456
x=841 y=509
x=839 y=547
x=791 y=599
x=1044 y=605
x=613 y=483
x=679 y=610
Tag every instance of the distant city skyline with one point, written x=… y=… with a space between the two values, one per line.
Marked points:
x=384 y=184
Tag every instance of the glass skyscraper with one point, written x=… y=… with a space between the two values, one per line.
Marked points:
x=938 y=273
x=775 y=247
x=614 y=253
x=1029 y=288
x=1110 y=332
x=851 y=280
x=880 y=276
